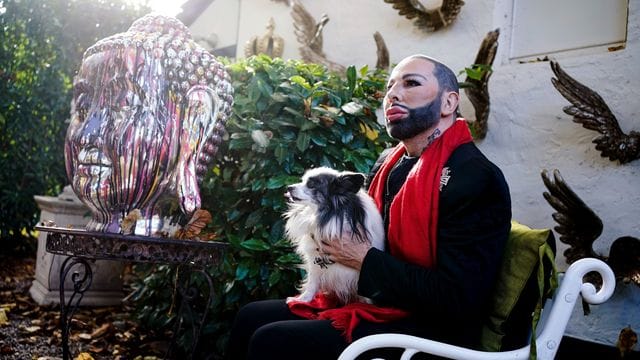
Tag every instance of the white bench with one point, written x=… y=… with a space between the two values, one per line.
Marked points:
x=550 y=330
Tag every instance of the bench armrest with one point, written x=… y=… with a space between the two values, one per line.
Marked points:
x=550 y=331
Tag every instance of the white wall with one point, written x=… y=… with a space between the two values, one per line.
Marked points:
x=528 y=131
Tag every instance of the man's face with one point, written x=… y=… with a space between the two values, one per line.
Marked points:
x=117 y=147
x=413 y=100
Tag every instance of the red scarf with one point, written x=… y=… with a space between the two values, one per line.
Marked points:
x=344 y=318
x=412 y=228
x=413 y=216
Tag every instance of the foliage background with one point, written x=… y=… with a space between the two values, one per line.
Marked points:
x=41 y=46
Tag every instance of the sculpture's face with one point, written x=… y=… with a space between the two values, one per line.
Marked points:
x=148 y=109
x=122 y=144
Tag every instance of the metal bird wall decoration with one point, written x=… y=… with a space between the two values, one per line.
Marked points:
x=382 y=52
x=589 y=109
x=579 y=227
x=477 y=90
x=428 y=20
x=309 y=34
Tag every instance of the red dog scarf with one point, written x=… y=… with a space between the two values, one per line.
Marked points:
x=344 y=318
x=412 y=228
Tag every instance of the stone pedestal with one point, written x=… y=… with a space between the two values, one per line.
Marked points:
x=66 y=210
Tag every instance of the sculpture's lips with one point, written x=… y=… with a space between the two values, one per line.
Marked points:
x=91 y=156
x=395 y=113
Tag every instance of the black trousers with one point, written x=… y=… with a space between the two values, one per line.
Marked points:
x=268 y=330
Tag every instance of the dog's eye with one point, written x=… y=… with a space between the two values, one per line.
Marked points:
x=312 y=183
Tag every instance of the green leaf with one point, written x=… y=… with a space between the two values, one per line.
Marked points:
x=255 y=244
x=293 y=111
x=318 y=139
x=477 y=71
x=274 y=278
x=351 y=78
x=302 y=143
x=297 y=79
x=281 y=152
x=241 y=272
x=279 y=182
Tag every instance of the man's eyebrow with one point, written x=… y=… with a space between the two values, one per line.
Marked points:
x=413 y=74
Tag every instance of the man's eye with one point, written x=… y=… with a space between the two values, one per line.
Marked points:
x=412 y=83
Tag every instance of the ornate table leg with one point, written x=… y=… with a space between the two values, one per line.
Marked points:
x=189 y=286
x=81 y=283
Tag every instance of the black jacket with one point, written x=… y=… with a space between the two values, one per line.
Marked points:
x=449 y=302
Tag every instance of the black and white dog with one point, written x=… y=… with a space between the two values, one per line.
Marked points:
x=330 y=206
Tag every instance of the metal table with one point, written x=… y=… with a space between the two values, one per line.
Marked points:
x=82 y=246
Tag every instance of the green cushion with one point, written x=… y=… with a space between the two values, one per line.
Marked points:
x=520 y=287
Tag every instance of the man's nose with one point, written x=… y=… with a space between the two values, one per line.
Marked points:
x=393 y=94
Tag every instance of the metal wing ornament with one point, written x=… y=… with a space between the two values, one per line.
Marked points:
x=382 y=52
x=428 y=20
x=579 y=227
x=309 y=34
x=590 y=110
x=477 y=90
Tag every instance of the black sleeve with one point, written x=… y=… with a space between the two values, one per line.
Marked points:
x=474 y=222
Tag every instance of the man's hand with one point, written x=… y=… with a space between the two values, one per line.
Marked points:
x=346 y=251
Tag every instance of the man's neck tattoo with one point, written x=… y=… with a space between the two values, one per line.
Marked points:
x=431 y=138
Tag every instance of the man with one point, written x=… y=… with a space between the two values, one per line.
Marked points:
x=148 y=108
x=447 y=212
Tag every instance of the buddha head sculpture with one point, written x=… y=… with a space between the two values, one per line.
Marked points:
x=147 y=115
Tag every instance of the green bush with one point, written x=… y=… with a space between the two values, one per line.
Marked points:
x=288 y=116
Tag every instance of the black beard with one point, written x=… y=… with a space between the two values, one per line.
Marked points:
x=417 y=120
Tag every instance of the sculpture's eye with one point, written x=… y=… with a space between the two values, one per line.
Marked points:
x=123 y=94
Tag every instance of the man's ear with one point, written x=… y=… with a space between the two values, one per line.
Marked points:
x=449 y=104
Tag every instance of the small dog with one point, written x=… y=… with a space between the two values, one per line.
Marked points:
x=331 y=206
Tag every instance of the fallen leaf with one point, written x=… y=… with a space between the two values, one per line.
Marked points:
x=7 y=306
x=96 y=349
x=198 y=221
x=128 y=224
x=84 y=356
x=31 y=329
x=4 y=320
x=101 y=330
x=84 y=336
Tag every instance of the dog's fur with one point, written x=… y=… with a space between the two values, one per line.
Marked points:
x=330 y=206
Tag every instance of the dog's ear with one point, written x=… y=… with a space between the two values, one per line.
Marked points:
x=350 y=182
